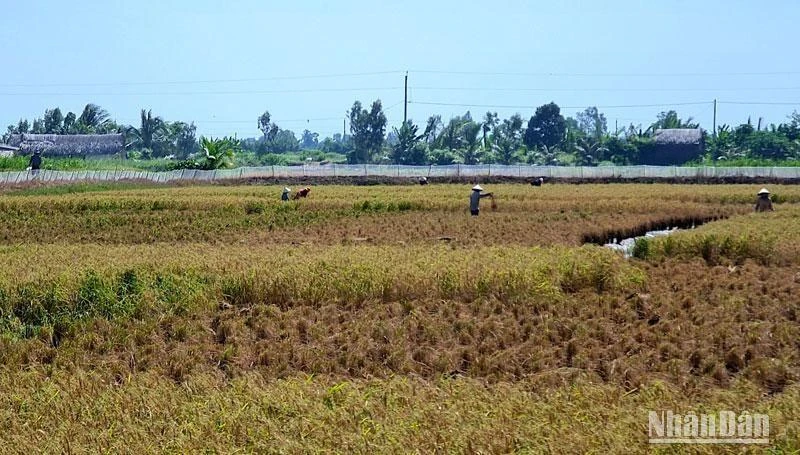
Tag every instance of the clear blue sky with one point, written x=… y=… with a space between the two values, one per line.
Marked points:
x=126 y=56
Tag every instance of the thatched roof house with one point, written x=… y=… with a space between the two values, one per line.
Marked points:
x=7 y=150
x=69 y=144
x=674 y=146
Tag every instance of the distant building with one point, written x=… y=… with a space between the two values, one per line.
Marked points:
x=76 y=145
x=673 y=147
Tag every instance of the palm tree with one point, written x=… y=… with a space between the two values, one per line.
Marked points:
x=507 y=139
x=490 y=121
x=433 y=125
x=670 y=120
x=470 y=131
x=451 y=136
x=636 y=131
x=93 y=118
x=144 y=137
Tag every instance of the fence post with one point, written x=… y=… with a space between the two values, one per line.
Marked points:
x=458 y=170
x=365 y=170
x=334 y=169
x=273 y=171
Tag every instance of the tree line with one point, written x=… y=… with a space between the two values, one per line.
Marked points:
x=153 y=137
x=547 y=137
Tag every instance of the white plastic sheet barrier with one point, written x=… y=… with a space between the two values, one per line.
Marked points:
x=362 y=170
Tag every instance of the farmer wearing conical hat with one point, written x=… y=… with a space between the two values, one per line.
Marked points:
x=285 y=194
x=475 y=199
x=763 y=203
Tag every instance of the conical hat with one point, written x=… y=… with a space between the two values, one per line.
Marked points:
x=286 y=189
x=763 y=191
x=477 y=188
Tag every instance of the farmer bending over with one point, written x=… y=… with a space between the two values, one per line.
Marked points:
x=763 y=203
x=302 y=193
x=475 y=199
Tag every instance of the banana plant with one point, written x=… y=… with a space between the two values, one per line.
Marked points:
x=219 y=153
x=588 y=152
x=545 y=156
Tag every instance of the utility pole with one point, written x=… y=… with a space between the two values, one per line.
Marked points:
x=405 y=99
x=715 y=118
x=714 y=125
x=344 y=128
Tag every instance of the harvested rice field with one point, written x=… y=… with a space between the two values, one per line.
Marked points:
x=368 y=319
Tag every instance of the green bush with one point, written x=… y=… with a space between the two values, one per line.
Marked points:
x=641 y=248
x=715 y=248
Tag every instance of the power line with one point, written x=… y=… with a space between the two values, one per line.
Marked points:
x=393 y=106
x=253 y=121
x=490 y=106
x=206 y=81
x=660 y=89
x=397 y=72
x=755 y=103
x=195 y=93
x=322 y=119
x=567 y=74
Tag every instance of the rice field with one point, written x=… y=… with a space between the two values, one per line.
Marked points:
x=386 y=319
